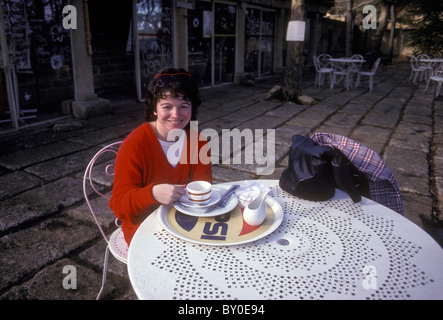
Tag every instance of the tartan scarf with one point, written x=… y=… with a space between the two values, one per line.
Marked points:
x=383 y=187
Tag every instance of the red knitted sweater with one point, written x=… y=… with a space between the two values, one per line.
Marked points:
x=140 y=164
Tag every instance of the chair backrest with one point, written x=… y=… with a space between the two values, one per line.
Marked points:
x=383 y=187
x=356 y=66
x=421 y=63
x=422 y=56
x=109 y=162
x=438 y=71
x=375 y=65
x=357 y=57
x=323 y=60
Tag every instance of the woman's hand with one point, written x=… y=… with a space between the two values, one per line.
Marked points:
x=168 y=193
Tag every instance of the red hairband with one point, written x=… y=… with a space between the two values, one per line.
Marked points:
x=172 y=74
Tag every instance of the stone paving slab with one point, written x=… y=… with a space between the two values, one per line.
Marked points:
x=413 y=141
x=343 y=119
x=371 y=136
x=40 y=202
x=57 y=168
x=101 y=136
x=27 y=251
x=286 y=110
x=381 y=120
x=17 y=182
x=100 y=206
x=25 y=158
x=48 y=284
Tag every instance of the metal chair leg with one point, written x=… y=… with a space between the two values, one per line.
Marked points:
x=427 y=85
x=437 y=90
x=105 y=271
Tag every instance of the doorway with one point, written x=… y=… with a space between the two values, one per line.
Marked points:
x=212 y=30
x=259 y=41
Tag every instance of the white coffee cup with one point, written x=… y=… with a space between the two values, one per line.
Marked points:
x=199 y=191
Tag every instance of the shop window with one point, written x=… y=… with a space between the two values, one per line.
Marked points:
x=200 y=33
x=154 y=27
x=39 y=50
x=259 y=41
x=211 y=42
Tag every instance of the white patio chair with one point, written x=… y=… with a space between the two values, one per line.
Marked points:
x=116 y=243
x=417 y=70
x=344 y=73
x=437 y=76
x=320 y=71
x=355 y=67
x=424 y=65
x=369 y=74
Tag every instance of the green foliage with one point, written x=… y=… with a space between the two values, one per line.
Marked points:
x=427 y=37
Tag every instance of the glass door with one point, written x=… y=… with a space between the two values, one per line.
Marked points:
x=154 y=40
x=267 y=42
x=211 y=42
x=224 y=42
x=259 y=41
x=200 y=34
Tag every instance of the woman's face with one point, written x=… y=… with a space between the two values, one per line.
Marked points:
x=172 y=113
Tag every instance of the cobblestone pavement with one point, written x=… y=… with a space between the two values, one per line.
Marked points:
x=45 y=224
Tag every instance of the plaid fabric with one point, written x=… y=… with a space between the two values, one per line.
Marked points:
x=382 y=185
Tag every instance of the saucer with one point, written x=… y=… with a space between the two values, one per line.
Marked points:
x=184 y=201
x=199 y=210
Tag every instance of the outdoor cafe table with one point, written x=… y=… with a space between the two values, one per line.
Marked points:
x=346 y=65
x=433 y=62
x=334 y=249
x=346 y=60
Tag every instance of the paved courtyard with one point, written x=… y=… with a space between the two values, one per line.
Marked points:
x=45 y=224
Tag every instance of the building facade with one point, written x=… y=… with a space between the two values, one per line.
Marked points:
x=79 y=52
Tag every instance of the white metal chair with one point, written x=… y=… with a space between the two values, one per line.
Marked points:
x=416 y=70
x=424 y=65
x=355 y=67
x=437 y=76
x=116 y=243
x=369 y=74
x=320 y=71
x=342 y=71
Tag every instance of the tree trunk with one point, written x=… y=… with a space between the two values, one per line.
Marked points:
x=349 y=27
x=392 y=34
x=294 y=57
x=382 y=23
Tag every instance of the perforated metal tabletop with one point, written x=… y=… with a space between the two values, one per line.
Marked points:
x=334 y=249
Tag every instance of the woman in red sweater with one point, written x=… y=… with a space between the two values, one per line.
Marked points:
x=158 y=159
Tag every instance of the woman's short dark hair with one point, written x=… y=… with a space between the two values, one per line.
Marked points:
x=175 y=82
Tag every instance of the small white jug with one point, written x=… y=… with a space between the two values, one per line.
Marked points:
x=255 y=213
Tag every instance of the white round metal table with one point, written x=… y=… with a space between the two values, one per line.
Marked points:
x=334 y=249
